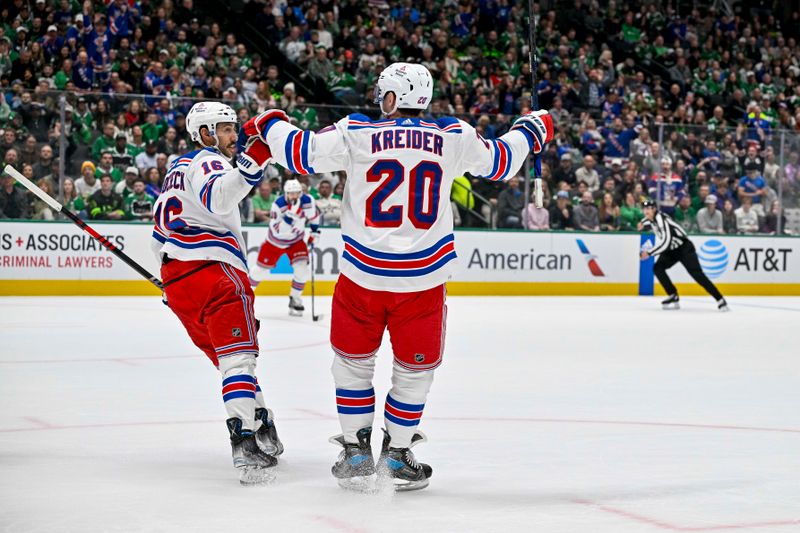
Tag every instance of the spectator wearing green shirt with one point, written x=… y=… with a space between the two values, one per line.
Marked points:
x=262 y=202
x=153 y=129
x=685 y=214
x=139 y=204
x=304 y=117
x=340 y=82
x=72 y=200
x=105 y=142
x=105 y=204
x=106 y=166
x=630 y=214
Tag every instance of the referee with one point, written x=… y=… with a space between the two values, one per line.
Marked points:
x=673 y=245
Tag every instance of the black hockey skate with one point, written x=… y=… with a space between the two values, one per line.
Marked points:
x=722 y=305
x=401 y=467
x=672 y=302
x=355 y=468
x=296 y=307
x=267 y=434
x=255 y=466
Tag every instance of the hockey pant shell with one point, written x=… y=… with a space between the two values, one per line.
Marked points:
x=687 y=256
x=215 y=305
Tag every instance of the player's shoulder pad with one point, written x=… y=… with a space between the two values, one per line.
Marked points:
x=447 y=121
x=306 y=199
x=184 y=161
x=281 y=201
x=359 y=117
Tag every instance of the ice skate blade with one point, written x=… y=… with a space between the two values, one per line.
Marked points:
x=251 y=476
x=405 y=486
x=724 y=309
x=295 y=313
x=363 y=484
x=671 y=307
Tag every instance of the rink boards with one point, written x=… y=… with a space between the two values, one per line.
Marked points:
x=55 y=258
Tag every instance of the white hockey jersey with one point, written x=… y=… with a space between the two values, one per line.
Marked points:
x=397 y=223
x=197 y=214
x=287 y=222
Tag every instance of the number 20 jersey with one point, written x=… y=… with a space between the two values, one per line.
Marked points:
x=397 y=221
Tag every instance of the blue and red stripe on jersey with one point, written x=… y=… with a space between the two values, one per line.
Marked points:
x=403 y=414
x=502 y=161
x=355 y=402
x=396 y=265
x=296 y=152
x=205 y=191
x=240 y=386
x=249 y=342
x=192 y=238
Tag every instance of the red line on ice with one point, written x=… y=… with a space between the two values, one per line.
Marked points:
x=673 y=527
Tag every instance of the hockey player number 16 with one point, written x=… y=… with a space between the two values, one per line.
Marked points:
x=425 y=180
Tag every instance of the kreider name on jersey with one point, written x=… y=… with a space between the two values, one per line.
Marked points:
x=413 y=139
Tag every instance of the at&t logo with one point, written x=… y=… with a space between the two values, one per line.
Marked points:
x=713 y=258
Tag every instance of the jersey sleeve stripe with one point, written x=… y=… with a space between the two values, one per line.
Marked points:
x=502 y=164
x=288 y=150
x=304 y=152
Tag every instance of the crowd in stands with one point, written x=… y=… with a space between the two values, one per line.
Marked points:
x=697 y=109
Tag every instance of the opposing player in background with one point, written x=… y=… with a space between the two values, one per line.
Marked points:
x=397 y=226
x=672 y=246
x=198 y=240
x=289 y=215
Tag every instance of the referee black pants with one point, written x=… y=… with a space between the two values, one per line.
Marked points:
x=687 y=256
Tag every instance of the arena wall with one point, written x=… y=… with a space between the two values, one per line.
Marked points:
x=56 y=258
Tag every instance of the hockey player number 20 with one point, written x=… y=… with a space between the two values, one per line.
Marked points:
x=425 y=180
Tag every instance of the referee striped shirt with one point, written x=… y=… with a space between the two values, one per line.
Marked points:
x=669 y=234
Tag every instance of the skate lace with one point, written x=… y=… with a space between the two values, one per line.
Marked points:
x=411 y=460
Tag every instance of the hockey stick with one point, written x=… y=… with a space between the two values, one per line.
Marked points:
x=314 y=316
x=58 y=208
x=533 y=61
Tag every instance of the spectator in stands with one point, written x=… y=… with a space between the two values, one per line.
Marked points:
x=105 y=204
x=106 y=166
x=14 y=202
x=609 y=213
x=684 y=214
x=536 y=218
x=728 y=218
x=586 y=217
x=105 y=142
x=752 y=185
x=71 y=200
x=565 y=171
x=147 y=159
x=461 y=195
x=510 y=204
x=139 y=204
x=588 y=174
x=262 y=202
x=88 y=183
x=630 y=214
x=666 y=187
x=125 y=186
x=775 y=221
x=39 y=209
x=561 y=213
x=709 y=219
x=330 y=207
x=746 y=217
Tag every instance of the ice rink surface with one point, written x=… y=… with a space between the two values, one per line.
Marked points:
x=599 y=415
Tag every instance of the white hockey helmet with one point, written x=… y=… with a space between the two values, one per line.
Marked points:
x=208 y=114
x=292 y=186
x=411 y=84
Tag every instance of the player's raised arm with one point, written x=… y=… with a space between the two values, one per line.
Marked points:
x=303 y=152
x=500 y=159
x=220 y=186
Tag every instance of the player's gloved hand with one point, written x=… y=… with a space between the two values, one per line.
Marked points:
x=313 y=238
x=258 y=124
x=539 y=124
x=251 y=162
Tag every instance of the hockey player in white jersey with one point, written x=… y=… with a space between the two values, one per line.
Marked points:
x=197 y=238
x=397 y=228
x=289 y=216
